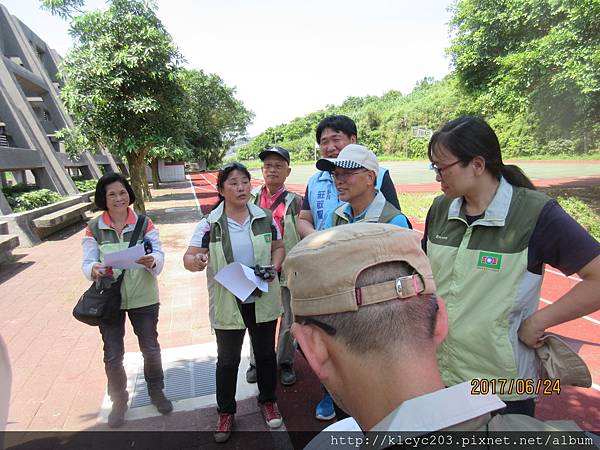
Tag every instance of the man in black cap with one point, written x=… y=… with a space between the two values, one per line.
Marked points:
x=285 y=207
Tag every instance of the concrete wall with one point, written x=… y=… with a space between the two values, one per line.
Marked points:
x=31 y=111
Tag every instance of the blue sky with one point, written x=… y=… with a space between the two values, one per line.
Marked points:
x=287 y=58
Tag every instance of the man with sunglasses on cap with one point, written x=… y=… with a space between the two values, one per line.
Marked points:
x=370 y=333
x=285 y=206
x=354 y=173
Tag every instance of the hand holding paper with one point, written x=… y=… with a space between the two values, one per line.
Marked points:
x=240 y=280
x=125 y=259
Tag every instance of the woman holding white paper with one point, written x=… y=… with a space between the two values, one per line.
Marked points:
x=111 y=232
x=238 y=231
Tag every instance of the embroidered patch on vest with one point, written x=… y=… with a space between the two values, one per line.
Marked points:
x=267 y=237
x=489 y=261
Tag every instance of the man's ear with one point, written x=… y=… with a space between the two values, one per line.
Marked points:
x=441 y=322
x=289 y=170
x=353 y=139
x=314 y=348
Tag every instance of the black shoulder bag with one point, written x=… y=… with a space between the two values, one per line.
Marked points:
x=102 y=305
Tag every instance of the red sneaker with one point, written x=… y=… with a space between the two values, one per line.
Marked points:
x=224 y=427
x=271 y=414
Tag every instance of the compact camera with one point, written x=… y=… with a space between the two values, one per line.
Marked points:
x=265 y=272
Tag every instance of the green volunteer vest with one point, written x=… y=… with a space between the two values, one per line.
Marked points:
x=224 y=311
x=139 y=287
x=481 y=272
x=293 y=204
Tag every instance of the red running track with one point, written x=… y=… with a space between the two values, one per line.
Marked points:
x=578 y=404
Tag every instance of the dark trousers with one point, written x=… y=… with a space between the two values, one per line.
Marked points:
x=229 y=350
x=525 y=407
x=144 y=321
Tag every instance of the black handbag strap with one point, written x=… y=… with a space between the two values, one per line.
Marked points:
x=137 y=230
x=134 y=238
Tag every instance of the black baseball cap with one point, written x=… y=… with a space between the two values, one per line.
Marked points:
x=275 y=150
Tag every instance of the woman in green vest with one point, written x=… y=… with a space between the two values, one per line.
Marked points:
x=488 y=239
x=107 y=233
x=239 y=231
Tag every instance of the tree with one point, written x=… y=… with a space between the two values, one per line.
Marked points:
x=214 y=117
x=123 y=82
x=527 y=57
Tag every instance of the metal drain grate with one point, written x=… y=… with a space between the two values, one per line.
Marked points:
x=183 y=379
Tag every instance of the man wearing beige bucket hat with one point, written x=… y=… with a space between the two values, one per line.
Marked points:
x=370 y=333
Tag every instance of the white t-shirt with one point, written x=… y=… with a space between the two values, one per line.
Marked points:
x=241 y=242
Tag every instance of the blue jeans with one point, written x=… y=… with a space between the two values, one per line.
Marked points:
x=144 y=321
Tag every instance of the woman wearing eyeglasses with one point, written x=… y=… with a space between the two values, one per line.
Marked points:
x=488 y=238
x=239 y=231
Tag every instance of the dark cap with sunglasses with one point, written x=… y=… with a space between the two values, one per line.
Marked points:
x=319 y=285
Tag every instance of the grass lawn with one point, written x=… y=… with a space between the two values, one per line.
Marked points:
x=582 y=203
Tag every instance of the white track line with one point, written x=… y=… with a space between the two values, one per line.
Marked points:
x=209 y=182
x=555 y=272
x=591 y=319
x=194 y=194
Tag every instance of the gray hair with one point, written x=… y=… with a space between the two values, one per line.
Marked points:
x=384 y=327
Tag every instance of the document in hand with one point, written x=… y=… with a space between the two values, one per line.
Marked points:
x=125 y=259
x=240 y=280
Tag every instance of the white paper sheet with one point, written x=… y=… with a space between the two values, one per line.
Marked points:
x=125 y=259
x=240 y=280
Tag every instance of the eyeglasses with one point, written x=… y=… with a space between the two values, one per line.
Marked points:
x=438 y=170
x=322 y=325
x=343 y=176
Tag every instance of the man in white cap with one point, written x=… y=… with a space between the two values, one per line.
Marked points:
x=354 y=172
x=370 y=333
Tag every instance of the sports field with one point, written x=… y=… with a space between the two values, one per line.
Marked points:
x=417 y=172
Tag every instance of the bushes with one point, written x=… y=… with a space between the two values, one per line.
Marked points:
x=85 y=185
x=22 y=197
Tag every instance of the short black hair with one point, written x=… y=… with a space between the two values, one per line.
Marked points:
x=339 y=123
x=109 y=178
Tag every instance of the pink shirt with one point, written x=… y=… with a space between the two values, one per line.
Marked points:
x=266 y=200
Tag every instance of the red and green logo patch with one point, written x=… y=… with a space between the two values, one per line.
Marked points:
x=490 y=261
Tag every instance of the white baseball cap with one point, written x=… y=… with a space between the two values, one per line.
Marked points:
x=352 y=156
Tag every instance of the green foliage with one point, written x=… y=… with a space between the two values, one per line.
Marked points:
x=213 y=118
x=582 y=213
x=384 y=123
x=536 y=58
x=22 y=197
x=18 y=188
x=85 y=185
x=75 y=141
x=62 y=8
x=121 y=78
